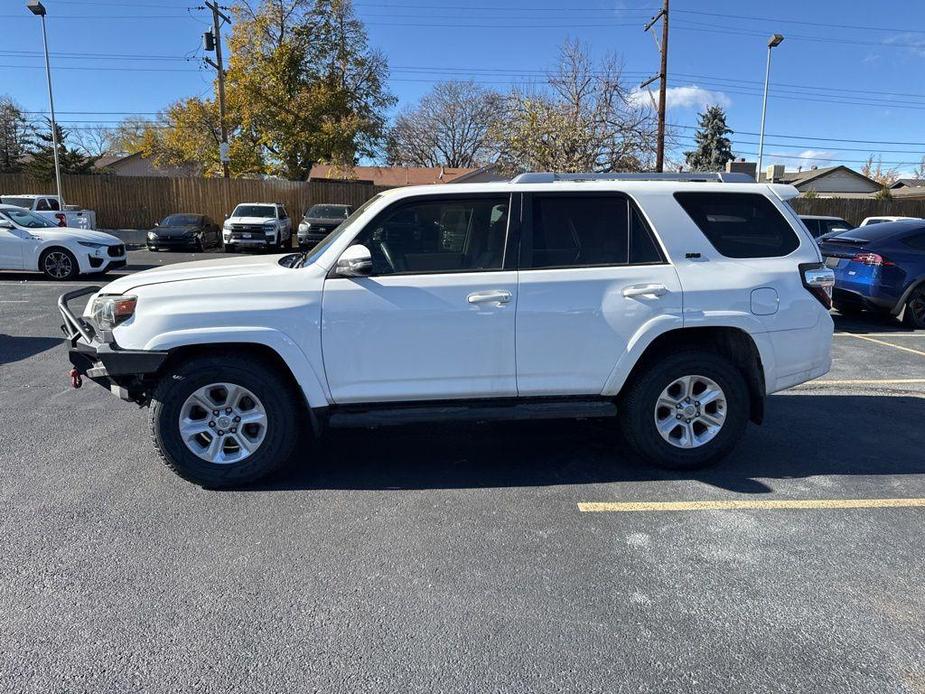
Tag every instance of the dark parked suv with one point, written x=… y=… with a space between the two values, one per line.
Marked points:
x=319 y=221
x=880 y=268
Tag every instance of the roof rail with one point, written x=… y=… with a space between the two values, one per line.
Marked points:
x=686 y=176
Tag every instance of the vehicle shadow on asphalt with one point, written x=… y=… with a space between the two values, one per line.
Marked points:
x=16 y=348
x=804 y=436
x=869 y=323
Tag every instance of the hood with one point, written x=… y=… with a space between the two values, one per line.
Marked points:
x=250 y=220
x=173 y=231
x=326 y=221
x=197 y=270
x=64 y=233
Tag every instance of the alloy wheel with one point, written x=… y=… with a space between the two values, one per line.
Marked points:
x=223 y=423
x=58 y=264
x=690 y=412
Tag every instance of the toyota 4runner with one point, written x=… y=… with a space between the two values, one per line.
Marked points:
x=673 y=304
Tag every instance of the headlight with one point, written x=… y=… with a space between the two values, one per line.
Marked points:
x=95 y=246
x=108 y=311
x=226 y=226
x=152 y=235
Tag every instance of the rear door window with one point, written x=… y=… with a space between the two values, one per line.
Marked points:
x=740 y=225
x=813 y=226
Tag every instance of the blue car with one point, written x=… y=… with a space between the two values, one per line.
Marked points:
x=880 y=268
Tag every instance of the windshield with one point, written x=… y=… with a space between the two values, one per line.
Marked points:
x=181 y=220
x=254 y=211
x=328 y=212
x=27 y=219
x=19 y=202
x=316 y=252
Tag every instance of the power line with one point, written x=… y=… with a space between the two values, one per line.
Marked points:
x=826 y=25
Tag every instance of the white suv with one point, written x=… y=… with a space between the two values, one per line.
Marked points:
x=257 y=225
x=674 y=305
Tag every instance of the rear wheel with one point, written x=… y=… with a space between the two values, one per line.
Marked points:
x=59 y=264
x=686 y=410
x=224 y=422
x=915 y=309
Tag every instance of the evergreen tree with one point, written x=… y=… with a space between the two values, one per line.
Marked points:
x=42 y=163
x=14 y=135
x=713 y=147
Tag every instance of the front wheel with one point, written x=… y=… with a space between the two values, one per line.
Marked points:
x=224 y=422
x=685 y=410
x=59 y=264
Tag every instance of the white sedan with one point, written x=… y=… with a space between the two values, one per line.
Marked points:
x=31 y=242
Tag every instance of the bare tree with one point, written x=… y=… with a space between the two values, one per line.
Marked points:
x=919 y=171
x=451 y=126
x=873 y=169
x=94 y=140
x=586 y=119
x=15 y=135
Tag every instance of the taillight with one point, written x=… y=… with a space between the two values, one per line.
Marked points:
x=819 y=281
x=62 y=220
x=872 y=259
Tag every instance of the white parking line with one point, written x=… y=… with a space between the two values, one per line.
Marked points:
x=885 y=334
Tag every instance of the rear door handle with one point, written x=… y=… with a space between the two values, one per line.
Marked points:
x=501 y=296
x=645 y=290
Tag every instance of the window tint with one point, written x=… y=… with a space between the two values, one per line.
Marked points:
x=53 y=204
x=42 y=205
x=642 y=245
x=740 y=225
x=578 y=231
x=449 y=235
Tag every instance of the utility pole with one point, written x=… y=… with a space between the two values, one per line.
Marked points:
x=662 y=76
x=213 y=40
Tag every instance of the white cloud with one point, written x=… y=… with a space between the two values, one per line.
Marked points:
x=690 y=96
x=805 y=159
x=913 y=43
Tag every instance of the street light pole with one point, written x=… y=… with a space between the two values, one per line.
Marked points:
x=38 y=9
x=773 y=42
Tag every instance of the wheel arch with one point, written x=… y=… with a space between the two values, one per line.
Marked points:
x=734 y=343
x=901 y=304
x=54 y=246
x=270 y=346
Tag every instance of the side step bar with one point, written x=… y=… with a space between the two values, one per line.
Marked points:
x=395 y=414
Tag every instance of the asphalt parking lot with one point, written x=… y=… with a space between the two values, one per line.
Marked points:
x=465 y=558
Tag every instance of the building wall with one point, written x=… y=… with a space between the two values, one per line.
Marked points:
x=838 y=182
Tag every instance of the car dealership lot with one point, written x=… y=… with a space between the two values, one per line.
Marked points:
x=457 y=557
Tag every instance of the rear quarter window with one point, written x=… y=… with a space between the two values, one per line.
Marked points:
x=740 y=225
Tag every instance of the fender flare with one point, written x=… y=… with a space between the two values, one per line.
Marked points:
x=901 y=304
x=306 y=376
x=647 y=333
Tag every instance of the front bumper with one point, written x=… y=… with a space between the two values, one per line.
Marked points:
x=180 y=242
x=95 y=355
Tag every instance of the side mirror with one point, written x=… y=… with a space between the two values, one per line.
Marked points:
x=356 y=261
x=157 y=224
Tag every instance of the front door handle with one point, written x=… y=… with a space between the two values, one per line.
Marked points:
x=501 y=296
x=645 y=290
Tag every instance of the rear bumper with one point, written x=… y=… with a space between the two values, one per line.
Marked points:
x=797 y=355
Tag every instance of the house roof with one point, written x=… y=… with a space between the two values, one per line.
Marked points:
x=110 y=159
x=798 y=177
x=909 y=183
x=390 y=175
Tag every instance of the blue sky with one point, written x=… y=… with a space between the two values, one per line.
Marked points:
x=846 y=82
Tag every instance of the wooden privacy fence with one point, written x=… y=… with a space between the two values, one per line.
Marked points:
x=854 y=210
x=130 y=202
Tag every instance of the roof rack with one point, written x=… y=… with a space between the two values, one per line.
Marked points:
x=686 y=176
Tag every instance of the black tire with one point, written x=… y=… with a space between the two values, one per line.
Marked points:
x=47 y=264
x=638 y=402
x=277 y=394
x=229 y=248
x=848 y=309
x=914 y=314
